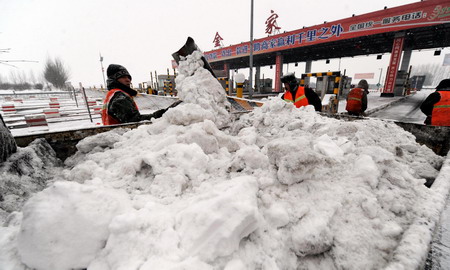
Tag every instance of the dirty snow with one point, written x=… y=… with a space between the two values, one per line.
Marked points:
x=278 y=188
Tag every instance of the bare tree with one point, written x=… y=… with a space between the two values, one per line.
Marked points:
x=19 y=80
x=434 y=73
x=22 y=77
x=31 y=77
x=56 y=73
x=13 y=77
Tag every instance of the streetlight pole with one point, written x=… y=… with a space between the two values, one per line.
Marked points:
x=250 y=79
x=103 y=70
x=379 y=79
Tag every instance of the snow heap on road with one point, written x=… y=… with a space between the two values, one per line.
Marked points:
x=279 y=188
x=25 y=172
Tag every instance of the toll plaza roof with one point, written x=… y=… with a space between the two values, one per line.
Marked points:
x=424 y=25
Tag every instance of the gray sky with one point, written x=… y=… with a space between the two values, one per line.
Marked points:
x=142 y=34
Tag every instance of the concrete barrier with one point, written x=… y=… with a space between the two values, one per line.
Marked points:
x=9 y=108
x=36 y=120
x=52 y=113
x=54 y=104
x=91 y=103
x=98 y=109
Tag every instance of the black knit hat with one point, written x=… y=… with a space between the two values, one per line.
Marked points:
x=289 y=78
x=444 y=84
x=114 y=72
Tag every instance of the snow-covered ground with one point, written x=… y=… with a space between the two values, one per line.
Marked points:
x=406 y=109
x=277 y=188
x=73 y=113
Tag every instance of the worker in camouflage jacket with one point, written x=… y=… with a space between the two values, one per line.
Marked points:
x=119 y=106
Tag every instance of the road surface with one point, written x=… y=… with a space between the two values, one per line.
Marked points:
x=405 y=110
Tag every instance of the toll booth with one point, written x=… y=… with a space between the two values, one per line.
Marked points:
x=166 y=85
x=401 y=83
x=143 y=87
x=330 y=86
x=417 y=82
x=265 y=86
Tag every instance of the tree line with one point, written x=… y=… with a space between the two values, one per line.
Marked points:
x=434 y=73
x=55 y=74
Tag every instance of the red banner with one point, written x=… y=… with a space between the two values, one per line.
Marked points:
x=278 y=69
x=364 y=75
x=391 y=75
x=420 y=14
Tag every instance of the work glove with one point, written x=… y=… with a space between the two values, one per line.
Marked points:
x=158 y=113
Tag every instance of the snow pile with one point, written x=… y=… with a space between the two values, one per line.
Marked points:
x=205 y=97
x=279 y=188
x=25 y=172
x=75 y=208
x=8 y=145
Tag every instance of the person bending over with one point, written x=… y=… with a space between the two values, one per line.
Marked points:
x=299 y=95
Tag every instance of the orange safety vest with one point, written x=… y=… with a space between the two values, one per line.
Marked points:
x=440 y=115
x=106 y=118
x=354 y=100
x=300 y=98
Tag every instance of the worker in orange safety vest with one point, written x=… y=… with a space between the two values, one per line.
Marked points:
x=437 y=105
x=357 y=99
x=299 y=95
x=119 y=106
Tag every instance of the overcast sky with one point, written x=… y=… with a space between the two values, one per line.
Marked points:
x=142 y=34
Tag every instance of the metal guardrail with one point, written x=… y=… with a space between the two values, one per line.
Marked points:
x=43 y=94
x=64 y=142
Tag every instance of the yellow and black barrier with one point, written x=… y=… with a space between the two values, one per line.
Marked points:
x=239 y=90
x=333 y=106
x=321 y=74
x=337 y=80
x=227 y=83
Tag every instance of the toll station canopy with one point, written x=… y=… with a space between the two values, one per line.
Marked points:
x=423 y=25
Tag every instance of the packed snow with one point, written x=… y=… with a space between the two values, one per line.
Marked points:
x=199 y=188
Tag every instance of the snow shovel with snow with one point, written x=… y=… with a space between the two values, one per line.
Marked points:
x=189 y=48
x=238 y=105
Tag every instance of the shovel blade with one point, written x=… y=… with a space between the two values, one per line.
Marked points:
x=188 y=48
